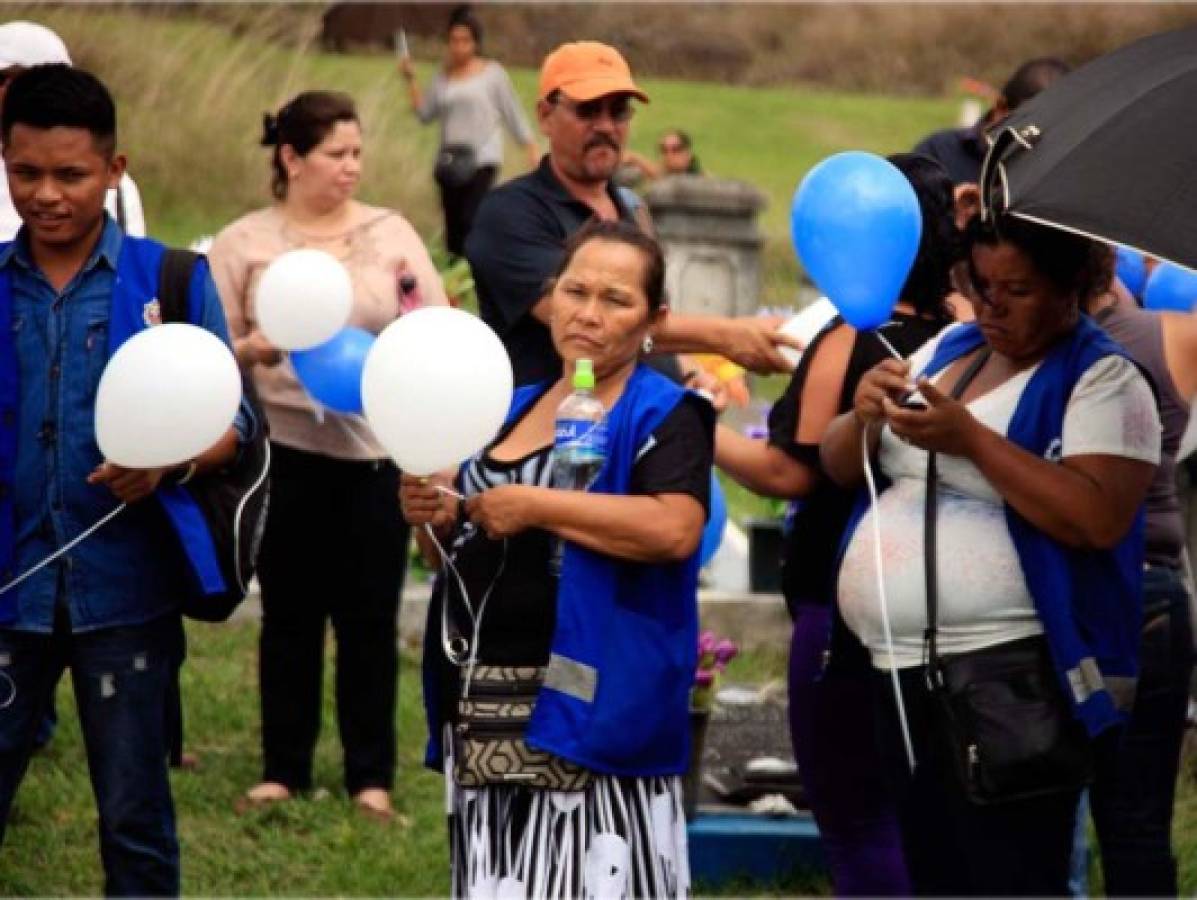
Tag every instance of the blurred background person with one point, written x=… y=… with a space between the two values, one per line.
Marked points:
x=676 y=158
x=335 y=544
x=473 y=99
x=962 y=150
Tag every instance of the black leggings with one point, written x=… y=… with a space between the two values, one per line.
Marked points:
x=335 y=547
x=460 y=204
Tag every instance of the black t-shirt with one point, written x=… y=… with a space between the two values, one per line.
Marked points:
x=514 y=247
x=812 y=544
x=520 y=613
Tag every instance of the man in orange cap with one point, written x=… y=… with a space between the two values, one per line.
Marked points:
x=585 y=108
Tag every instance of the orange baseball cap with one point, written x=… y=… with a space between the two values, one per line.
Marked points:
x=586 y=70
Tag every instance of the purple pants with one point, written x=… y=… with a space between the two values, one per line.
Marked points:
x=832 y=725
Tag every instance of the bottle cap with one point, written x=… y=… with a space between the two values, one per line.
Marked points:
x=584 y=375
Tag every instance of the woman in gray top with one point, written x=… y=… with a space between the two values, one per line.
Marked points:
x=473 y=99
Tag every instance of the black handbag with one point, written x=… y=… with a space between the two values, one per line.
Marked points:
x=488 y=736
x=456 y=164
x=1000 y=713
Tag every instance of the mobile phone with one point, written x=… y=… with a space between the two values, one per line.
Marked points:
x=400 y=41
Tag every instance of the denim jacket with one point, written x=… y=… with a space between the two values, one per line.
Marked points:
x=131 y=570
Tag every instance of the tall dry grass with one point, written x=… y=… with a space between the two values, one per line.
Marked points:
x=191 y=94
x=885 y=47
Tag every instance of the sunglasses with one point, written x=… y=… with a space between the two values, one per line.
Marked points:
x=620 y=109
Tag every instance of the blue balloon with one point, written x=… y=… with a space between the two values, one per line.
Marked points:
x=332 y=371
x=712 y=534
x=856 y=225
x=1171 y=288
x=1132 y=270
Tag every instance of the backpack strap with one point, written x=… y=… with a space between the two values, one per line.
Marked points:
x=174 y=284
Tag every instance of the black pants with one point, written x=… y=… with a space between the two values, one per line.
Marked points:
x=953 y=847
x=460 y=203
x=335 y=547
x=1135 y=787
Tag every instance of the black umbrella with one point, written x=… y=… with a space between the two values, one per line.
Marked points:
x=1109 y=151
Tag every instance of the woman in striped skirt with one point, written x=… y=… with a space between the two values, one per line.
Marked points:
x=560 y=648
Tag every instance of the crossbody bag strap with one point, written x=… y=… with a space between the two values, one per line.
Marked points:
x=930 y=514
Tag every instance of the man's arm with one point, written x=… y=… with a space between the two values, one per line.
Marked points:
x=749 y=341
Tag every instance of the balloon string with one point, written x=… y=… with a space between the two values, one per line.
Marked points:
x=888 y=346
x=449 y=491
x=880 y=569
x=64 y=549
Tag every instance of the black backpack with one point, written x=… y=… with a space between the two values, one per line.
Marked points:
x=234 y=500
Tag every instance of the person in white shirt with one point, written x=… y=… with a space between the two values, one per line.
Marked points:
x=26 y=44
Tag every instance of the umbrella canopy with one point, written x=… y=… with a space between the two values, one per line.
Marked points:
x=1109 y=151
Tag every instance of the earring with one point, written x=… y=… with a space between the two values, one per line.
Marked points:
x=647 y=345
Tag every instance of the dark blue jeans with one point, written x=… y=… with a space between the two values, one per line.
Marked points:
x=1135 y=784
x=120 y=678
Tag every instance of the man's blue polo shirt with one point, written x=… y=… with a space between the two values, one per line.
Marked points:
x=131 y=570
x=514 y=248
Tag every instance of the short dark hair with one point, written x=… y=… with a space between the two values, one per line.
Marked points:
x=1073 y=264
x=1032 y=77
x=940 y=247
x=463 y=16
x=302 y=123
x=57 y=95
x=631 y=236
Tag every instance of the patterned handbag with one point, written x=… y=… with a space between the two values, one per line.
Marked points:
x=489 y=745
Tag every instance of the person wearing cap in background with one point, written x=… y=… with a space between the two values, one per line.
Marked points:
x=26 y=44
x=584 y=109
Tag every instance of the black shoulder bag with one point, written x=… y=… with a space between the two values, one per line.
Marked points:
x=1000 y=712
x=234 y=500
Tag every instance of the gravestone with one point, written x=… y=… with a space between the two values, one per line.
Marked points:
x=708 y=228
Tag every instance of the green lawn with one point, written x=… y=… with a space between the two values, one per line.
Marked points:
x=317 y=845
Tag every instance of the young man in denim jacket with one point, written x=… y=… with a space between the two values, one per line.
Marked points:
x=108 y=610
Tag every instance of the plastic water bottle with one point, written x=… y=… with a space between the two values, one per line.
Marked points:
x=579 y=440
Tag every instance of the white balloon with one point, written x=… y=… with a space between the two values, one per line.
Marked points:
x=303 y=299
x=805 y=325
x=435 y=388
x=166 y=395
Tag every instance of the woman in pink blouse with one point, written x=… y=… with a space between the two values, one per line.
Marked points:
x=335 y=544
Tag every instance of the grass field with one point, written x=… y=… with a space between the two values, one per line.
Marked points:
x=316 y=846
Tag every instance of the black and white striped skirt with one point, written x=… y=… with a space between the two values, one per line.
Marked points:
x=621 y=837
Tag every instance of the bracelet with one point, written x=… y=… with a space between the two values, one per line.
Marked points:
x=189 y=474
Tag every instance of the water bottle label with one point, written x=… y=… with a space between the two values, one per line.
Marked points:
x=581 y=437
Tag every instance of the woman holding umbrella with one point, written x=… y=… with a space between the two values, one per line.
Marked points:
x=1135 y=784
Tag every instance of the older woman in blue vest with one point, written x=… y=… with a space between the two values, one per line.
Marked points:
x=1046 y=437
x=611 y=641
